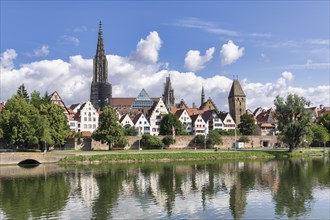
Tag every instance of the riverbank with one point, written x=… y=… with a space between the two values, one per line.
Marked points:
x=95 y=157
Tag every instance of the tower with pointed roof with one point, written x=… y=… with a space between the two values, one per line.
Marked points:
x=101 y=89
x=202 y=96
x=236 y=101
x=168 y=95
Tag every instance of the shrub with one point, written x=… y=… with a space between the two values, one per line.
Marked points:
x=168 y=140
x=132 y=131
x=149 y=141
x=199 y=140
x=244 y=139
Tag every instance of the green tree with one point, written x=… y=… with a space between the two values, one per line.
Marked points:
x=213 y=138
x=109 y=130
x=150 y=141
x=247 y=125
x=325 y=121
x=21 y=91
x=58 y=123
x=294 y=121
x=17 y=122
x=244 y=139
x=132 y=131
x=320 y=134
x=168 y=122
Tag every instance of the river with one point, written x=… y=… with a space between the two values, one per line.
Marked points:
x=245 y=189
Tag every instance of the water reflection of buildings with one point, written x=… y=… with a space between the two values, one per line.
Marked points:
x=84 y=186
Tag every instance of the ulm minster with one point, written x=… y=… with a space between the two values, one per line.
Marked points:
x=145 y=113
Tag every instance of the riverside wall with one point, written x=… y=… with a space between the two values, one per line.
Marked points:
x=182 y=142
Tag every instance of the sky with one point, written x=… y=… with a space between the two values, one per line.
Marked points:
x=272 y=47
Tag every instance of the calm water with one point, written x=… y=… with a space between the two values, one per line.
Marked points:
x=297 y=189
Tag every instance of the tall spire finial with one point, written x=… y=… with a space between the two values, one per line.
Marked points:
x=202 y=96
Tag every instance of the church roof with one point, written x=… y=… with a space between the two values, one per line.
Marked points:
x=236 y=90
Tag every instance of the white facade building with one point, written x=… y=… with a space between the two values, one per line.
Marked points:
x=157 y=112
x=185 y=119
x=87 y=118
x=141 y=123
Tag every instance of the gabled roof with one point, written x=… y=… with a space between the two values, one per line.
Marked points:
x=122 y=101
x=136 y=118
x=194 y=118
x=122 y=118
x=208 y=114
x=223 y=115
x=179 y=112
x=181 y=105
x=263 y=116
x=208 y=105
x=73 y=106
x=236 y=90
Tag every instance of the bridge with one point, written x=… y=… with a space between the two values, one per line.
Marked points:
x=15 y=158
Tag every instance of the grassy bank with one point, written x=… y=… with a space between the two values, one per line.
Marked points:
x=178 y=155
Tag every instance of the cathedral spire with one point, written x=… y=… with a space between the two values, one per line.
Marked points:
x=202 y=96
x=168 y=95
x=101 y=89
x=100 y=45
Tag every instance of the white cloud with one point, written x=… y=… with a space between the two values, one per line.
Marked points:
x=194 y=61
x=129 y=75
x=205 y=26
x=230 y=53
x=325 y=42
x=147 y=50
x=80 y=29
x=70 y=39
x=309 y=65
x=7 y=58
x=40 y=52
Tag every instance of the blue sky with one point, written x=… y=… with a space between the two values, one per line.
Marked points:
x=282 y=47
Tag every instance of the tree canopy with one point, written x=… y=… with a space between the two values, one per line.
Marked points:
x=168 y=122
x=109 y=130
x=213 y=138
x=320 y=134
x=34 y=124
x=294 y=121
x=247 y=125
x=325 y=121
x=21 y=91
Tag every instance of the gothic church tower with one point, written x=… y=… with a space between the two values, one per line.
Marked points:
x=168 y=95
x=237 y=102
x=101 y=89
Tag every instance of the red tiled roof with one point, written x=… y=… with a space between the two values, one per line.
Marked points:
x=86 y=133
x=126 y=101
x=2 y=106
x=266 y=125
x=136 y=118
x=194 y=111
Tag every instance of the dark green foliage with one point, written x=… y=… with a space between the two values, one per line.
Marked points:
x=244 y=139
x=168 y=140
x=149 y=141
x=213 y=138
x=325 y=121
x=109 y=131
x=294 y=121
x=168 y=122
x=199 y=140
x=247 y=125
x=21 y=91
x=320 y=134
x=132 y=131
x=227 y=133
x=34 y=124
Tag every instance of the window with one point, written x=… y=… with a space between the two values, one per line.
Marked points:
x=145 y=122
x=72 y=124
x=94 y=119
x=94 y=125
x=85 y=126
x=85 y=118
x=140 y=122
x=89 y=119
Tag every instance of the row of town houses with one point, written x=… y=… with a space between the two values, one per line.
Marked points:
x=145 y=114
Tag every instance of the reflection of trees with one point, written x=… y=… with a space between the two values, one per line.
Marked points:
x=294 y=194
x=245 y=180
x=110 y=185
x=36 y=197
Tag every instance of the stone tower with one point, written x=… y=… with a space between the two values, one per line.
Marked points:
x=202 y=96
x=168 y=95
x=236 y=101
x=101 y=89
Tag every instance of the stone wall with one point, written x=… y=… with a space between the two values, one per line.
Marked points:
x=186 y=141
